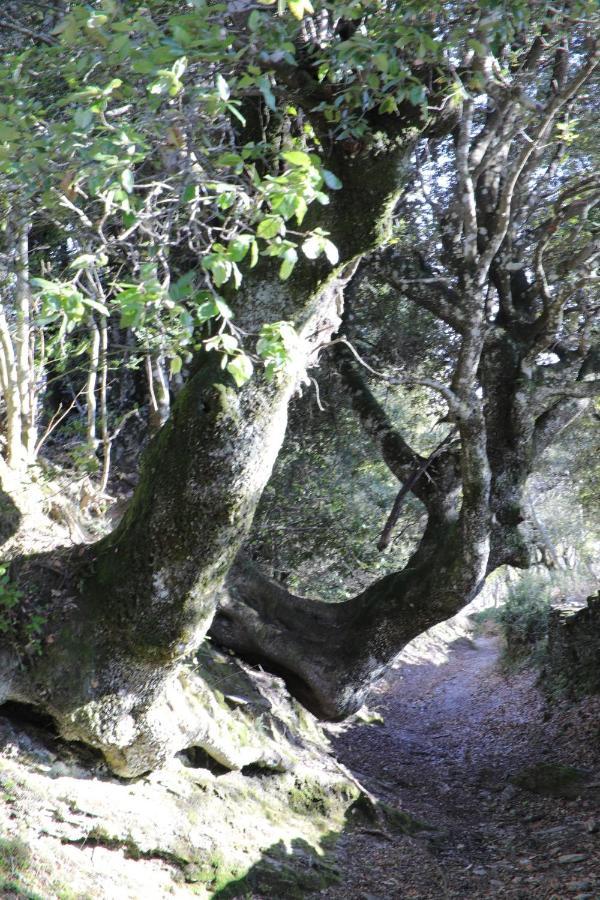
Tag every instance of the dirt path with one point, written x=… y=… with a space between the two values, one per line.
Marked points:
x=456 y=730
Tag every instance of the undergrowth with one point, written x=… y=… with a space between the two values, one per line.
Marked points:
x=524 y=621
x=523 y=618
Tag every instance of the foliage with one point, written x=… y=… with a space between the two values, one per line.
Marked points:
x=524 y=619
x=125 y=131
x=318 y=522
x=14 y=620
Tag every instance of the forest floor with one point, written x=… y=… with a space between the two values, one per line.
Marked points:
x=456 y=730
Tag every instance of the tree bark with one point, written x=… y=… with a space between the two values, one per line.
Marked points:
x=129 y=610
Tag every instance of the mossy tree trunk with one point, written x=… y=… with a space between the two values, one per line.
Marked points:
x=131 y=608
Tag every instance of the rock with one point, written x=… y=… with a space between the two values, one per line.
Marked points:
x=569 y=858
x=573 y=661
x=508 y=793
x=579 y=885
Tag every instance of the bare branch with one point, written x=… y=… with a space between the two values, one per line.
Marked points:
x=9 y=22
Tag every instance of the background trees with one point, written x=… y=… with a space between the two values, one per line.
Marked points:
x=191 y=191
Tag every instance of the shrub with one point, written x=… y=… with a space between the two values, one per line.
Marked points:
x=524 y=620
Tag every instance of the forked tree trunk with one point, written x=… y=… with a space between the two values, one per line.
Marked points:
x=131 y=608
x=330 y=653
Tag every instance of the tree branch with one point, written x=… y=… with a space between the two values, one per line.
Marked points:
x=409 y=485
x=395 y=451
x=9 y=23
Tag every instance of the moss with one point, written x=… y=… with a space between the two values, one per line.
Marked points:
x=215 y=871
x=399 y=821
x=552 y=780
x=283 y=872
x=10 y=889
x=14 y=856
x=310 y=797
x=15 y=861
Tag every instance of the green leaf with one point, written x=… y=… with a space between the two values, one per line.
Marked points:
x=240 y=368
x=290 y=257
x=83 y=118
x=264 y=86
x=219 y=267
x=183 y=287
x=222 y=88
x=8 y=132
x=175 y=365
x=416 y=95
x=300 y=208
x=127 y=180
x=298 y=158
x=270 y=227
x=86 y=261
x=239 y=246
x=207 y=310
x=99 y=307
x=331 y=252
x=254 y=20
x=312 y=247
x=300 y=8
x=223 y=309
x=382 y=62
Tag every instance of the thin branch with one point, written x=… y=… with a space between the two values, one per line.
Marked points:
x=409 y=485
x=9 y=23
x=581 y=390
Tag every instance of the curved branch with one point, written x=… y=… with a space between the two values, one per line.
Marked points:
x=554 y=420
x=395 y=451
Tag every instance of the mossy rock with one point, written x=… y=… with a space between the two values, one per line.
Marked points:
x=283 y=873
x=552 y=780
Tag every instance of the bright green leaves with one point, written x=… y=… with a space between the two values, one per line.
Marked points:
x=270 y=227
x=169 y=83
x=289 y=258
x=319 y=243
x=222 y=266
x=275 y=349
x=273 y=201
x=125 y=135
x=300 y=8
x=276 y=346
x=223 y=89
x=241 y=368
x=63 y=303
x=298 y=158
x=239 y=247
x=127 y=180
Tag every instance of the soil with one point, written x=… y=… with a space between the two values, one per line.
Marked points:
x=457 y=729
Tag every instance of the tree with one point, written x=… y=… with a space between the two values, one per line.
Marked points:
x=510 y=268
x=230 y=115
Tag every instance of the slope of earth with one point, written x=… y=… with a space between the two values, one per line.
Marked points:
x=195 y=828
x=507 y=780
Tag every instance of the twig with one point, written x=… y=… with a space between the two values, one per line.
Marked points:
x=14 y=26
x=55 y=421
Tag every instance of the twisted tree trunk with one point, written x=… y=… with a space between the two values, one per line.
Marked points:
x=123 y=615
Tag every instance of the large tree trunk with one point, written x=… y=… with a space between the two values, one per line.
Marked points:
x=330 y=653
x=130 y=609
